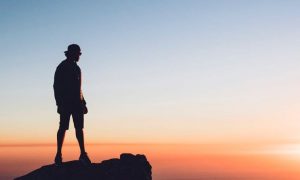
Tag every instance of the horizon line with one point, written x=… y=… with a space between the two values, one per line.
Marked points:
x=147 y=143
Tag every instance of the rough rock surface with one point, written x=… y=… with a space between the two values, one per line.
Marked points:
x=127 y=167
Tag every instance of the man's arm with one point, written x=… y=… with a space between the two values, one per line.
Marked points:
x=85 y=109
x=57 y=86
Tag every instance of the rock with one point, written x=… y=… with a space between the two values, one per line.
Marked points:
x=128 y=167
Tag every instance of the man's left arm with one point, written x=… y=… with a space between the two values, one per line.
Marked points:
x=83 y=102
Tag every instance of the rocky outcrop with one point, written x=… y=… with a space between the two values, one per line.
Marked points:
x=127 y=167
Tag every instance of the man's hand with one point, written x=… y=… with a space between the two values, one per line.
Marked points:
x=59 y=109
x=85 y=109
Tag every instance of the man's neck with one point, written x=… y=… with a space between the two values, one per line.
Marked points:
x=70 y=60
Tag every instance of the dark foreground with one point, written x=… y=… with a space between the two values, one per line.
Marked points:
x=128 y=167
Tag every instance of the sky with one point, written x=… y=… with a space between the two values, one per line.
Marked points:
x=168 y=71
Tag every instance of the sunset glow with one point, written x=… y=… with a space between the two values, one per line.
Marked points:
x=202 y=88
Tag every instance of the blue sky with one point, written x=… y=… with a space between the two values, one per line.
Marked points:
x=155 y=71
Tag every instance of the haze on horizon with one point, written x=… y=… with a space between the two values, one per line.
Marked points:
x=155 y=72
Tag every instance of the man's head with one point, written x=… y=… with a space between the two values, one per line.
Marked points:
x=73 y=53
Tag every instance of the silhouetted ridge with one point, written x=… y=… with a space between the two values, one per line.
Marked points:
x=128 y=167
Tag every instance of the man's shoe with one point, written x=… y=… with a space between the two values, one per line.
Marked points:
x=84 y=159
x=58 y=160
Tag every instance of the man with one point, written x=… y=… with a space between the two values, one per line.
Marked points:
x=70 y=101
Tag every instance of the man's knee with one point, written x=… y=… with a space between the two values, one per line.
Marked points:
x=61 y=130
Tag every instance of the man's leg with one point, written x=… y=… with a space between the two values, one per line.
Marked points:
x=80 y=139
x=78 y=119
x=63 y=126
x=84 y=158
x=60 y=139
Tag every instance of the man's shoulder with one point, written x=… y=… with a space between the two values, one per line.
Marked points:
x=63 y=63
x=66 y=67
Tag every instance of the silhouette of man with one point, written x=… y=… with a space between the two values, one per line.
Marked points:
x=70 y=101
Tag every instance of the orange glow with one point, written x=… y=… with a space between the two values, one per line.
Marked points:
x=168 y=161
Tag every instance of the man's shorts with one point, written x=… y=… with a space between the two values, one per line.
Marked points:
x=78 y=120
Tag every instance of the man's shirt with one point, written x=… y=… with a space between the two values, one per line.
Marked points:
x=67 y=85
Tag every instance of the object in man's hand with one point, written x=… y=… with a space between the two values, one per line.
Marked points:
x=60 y=109
x=85 y=110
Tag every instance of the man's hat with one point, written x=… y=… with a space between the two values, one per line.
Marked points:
x=73 y=48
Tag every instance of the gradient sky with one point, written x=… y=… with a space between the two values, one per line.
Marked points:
x=168 y=71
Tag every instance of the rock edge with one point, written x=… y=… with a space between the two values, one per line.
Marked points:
x=127 y=167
